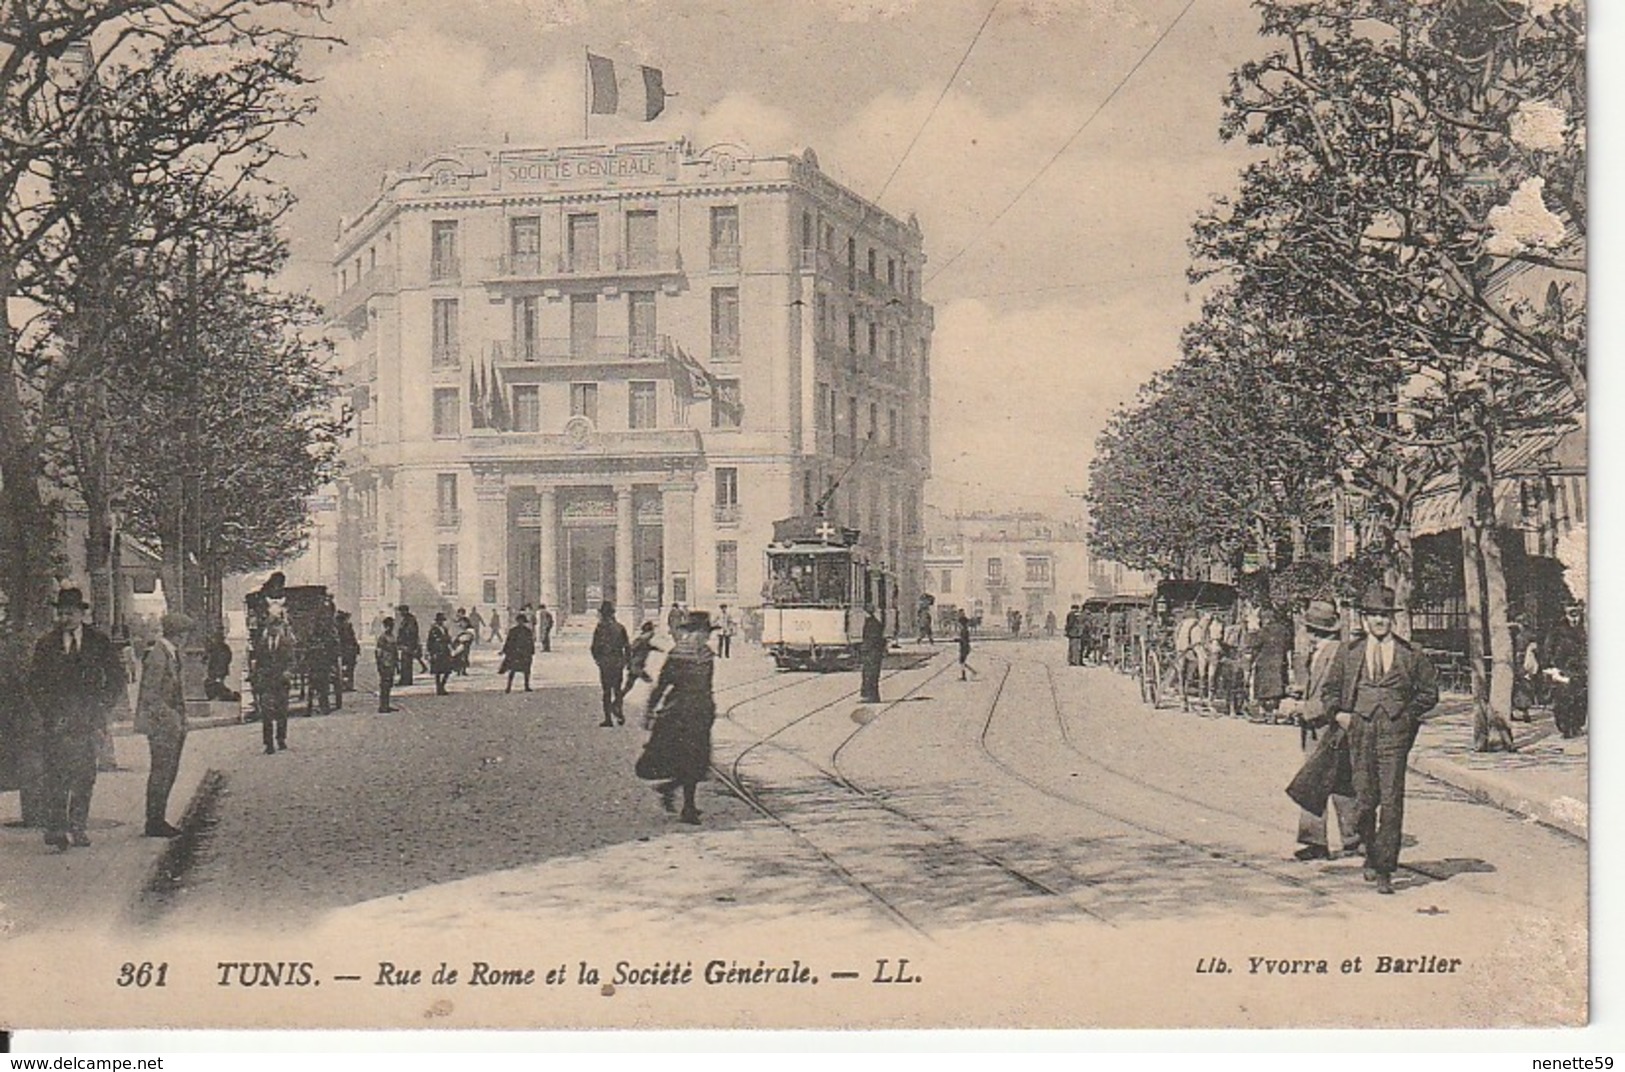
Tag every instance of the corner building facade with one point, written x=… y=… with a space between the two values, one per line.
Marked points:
x=602 y=372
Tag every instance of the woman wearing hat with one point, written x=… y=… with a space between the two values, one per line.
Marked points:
x=518 y=650
x=679 y=748
x=1321 y=621
x=437 y=645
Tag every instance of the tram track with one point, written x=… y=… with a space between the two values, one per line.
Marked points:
x=835 y=775
x=1250 y=821
x=1212 y=852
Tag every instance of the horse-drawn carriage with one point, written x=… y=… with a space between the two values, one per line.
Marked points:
x=308 y=614
x=1183 y=646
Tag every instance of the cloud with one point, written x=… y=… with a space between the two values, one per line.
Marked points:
x=765 y=129
x=1020 y=396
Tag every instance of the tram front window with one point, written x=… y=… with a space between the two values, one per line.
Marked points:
x=831 y=576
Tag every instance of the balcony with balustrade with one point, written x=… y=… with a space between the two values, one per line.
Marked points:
x=352 y=301
x=580 y=355
x=538 y=270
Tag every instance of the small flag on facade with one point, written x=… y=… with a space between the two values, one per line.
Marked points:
x=630 y=89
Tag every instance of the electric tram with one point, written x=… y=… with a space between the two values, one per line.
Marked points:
x=819 y=581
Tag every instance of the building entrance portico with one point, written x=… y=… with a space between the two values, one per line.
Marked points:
x=574 y=546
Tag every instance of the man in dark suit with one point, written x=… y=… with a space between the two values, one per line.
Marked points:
x=75 y=678
x=1378 y=688
x=611 y=650
x=272 y=677
x=871 y=654
x=409 y=642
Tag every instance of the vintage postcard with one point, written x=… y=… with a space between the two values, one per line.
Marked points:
x=794 y=514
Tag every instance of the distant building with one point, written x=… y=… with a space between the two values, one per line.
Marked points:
x=993 y=563
x=602 y=372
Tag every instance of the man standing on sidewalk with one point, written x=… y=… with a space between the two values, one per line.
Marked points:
x=1378 y=689
x=160 y=714
x=75 y=678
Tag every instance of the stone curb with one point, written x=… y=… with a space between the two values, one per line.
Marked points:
x=1562 y=813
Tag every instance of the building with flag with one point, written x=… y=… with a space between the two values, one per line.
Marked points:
x=604 y=371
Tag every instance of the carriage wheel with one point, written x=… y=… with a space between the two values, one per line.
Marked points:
x=1153 y=678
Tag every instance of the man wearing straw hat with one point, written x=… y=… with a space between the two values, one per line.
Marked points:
x=75 y=679
x=1378 y=688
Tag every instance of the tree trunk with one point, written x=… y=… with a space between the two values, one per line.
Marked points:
x=1490 y=658
x=26 y=535
x=1402 y=572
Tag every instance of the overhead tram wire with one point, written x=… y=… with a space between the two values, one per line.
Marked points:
x=946 y=86
x=1067 y=144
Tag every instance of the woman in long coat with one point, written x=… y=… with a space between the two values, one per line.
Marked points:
x=1274 y=646
x=438 y=647
x=680 y=712
x=517 y=652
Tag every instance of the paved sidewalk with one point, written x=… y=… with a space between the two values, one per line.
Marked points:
x=1545 y=780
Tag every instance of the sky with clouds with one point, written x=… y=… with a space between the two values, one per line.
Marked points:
x=1048 y=317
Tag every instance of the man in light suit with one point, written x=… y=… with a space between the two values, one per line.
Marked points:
x=160 y=713
x=1378 y=688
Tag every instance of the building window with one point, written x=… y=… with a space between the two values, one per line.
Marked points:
x=527 y=408
x=448 y=568
x=807 y=236
x=640 y=319
x=583 y=242
x=725 y=237
x=642 y=240
x=727 y=407
x=871 y=265
x=874 y=338
x=443 y=262
x=852 y=333
x=584 y=401
x=584 y=327
x=947 y=581
x=851 y=264
x=447 y=413
x=908 y=278
x=807 y=484
x=852 y=421
x=527 y=327
x=727 y=486
x=891 y=272
x=891 y=346
x=725 y=322
x=874 y=419
x=995 y=571
x=446 y=347
x=891 y=428
x=640 y=409
x=826 y=414
x=445 y=499
x=525 y=245
x=821 y=320
x=1038 y=571
x=727 y=567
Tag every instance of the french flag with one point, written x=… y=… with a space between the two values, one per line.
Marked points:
x=634 y=90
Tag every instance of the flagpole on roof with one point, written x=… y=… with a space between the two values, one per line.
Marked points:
x=586 y=94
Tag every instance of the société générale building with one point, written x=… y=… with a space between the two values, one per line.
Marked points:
x=602 y=372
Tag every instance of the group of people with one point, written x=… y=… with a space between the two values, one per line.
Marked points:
x=323 y=653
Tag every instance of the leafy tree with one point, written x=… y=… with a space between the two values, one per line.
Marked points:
x=1419 y=158
x=125 y=126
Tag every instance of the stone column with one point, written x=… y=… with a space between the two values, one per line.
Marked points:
x=677 y=534
x=550 y=548
x=491 y=498
x=625 y=591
